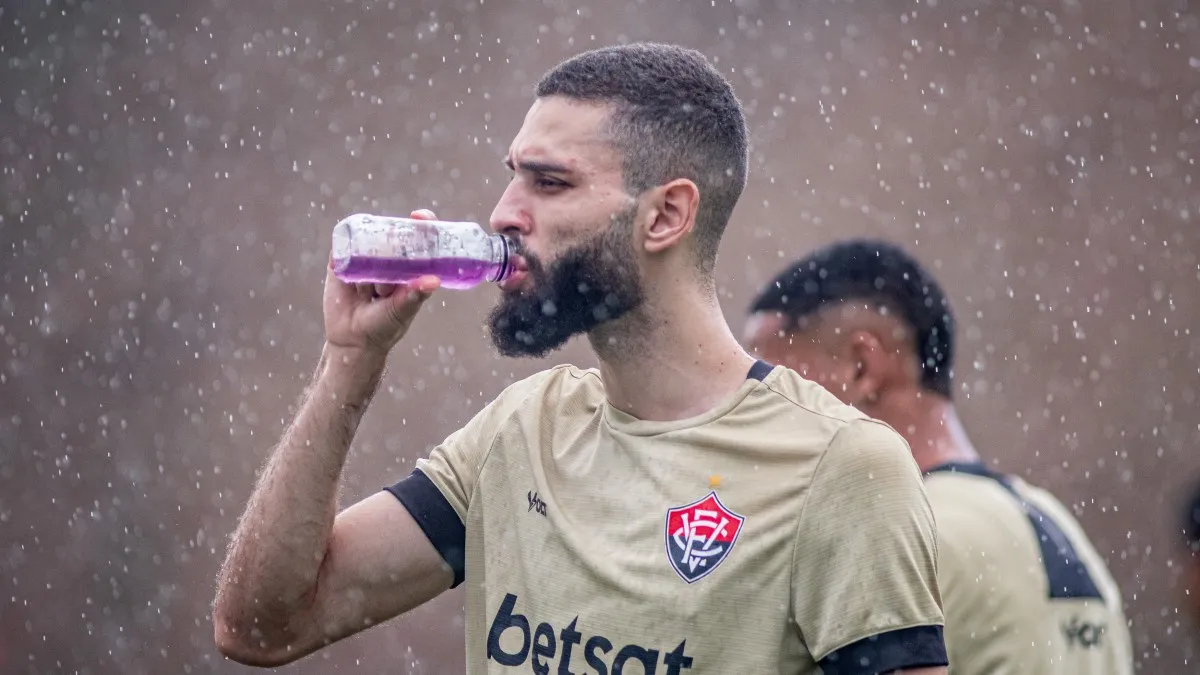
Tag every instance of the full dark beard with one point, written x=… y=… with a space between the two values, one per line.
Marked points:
x=589 y=284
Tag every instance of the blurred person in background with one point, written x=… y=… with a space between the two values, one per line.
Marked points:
x=1024 y=591
x=683 y=507
x=1191 y=563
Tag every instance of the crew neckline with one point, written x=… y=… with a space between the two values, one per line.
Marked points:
x=971 y=468
x=625 y=423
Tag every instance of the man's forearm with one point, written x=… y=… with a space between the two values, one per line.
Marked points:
x=274 y=560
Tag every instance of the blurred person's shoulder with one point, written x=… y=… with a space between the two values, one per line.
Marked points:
x=983 y=514
x=966 y=498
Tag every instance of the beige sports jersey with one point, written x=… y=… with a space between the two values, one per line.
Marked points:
x=1025 y=592
x=775 y=532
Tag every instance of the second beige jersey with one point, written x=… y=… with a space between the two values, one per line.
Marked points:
x=1024 y=591
x=781 y=532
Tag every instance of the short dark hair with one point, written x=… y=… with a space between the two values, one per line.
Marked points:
x=871 y=271
x=674 y=116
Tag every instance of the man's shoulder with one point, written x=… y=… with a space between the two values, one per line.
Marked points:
x=557 y=376
x=800 y=408
x=844 y=437
x=553 y=387
x=793 y=390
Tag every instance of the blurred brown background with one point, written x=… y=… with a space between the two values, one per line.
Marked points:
x=171 y=173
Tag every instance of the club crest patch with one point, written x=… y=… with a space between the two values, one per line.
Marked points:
x=700 y=536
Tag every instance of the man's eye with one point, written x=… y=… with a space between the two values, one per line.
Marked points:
x=550 y=183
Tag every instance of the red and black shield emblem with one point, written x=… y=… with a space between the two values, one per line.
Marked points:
x=700 y=536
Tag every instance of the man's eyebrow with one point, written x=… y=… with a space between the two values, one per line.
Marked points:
x=536 y=167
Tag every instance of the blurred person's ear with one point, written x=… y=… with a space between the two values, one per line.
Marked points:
x=873 y=367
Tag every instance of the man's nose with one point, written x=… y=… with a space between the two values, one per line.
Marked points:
x=511 y=215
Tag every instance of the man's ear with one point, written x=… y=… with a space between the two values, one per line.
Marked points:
x=873 y=365
x=672 y=214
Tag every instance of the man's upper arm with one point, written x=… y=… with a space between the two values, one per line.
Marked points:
x=403 y=546
x=437 y=493
x=378 y=565
x=387 y=554
x=865 y=593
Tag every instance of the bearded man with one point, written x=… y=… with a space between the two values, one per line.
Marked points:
x=683 y=507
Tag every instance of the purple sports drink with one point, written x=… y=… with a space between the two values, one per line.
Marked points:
x=387 y=250
x=454 y=272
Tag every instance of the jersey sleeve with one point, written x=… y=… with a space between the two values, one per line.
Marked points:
x=438 y=491
x=864 y=590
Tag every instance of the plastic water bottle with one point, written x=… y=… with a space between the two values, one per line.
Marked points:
x=388 y=250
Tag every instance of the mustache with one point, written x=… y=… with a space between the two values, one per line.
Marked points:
x=533 y=264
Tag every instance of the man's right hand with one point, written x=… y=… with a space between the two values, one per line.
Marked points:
x=371 y=318
x=299 y=575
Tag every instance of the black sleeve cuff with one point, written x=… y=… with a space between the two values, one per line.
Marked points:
x=916 y=647
x=436 y=518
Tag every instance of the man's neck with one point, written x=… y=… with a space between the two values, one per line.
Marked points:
x=933 y=430
x=663 y=363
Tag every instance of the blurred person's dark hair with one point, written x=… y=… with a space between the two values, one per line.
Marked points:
x=874 y=272
x=674 y=117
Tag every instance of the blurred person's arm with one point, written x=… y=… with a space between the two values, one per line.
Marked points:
x=297 y=576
